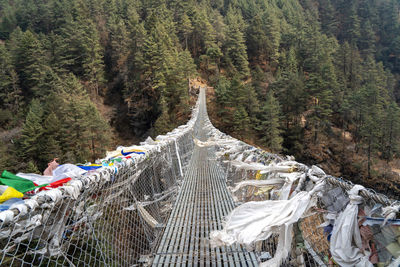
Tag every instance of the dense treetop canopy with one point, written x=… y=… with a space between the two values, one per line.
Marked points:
x=285 y=73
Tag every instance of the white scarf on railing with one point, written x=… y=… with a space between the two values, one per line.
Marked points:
x=345 y=231
x=255 y=221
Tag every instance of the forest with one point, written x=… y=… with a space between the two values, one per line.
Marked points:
x=317 y=79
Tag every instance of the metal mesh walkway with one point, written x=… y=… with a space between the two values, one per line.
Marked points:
x=121 y=215
x=201 y=204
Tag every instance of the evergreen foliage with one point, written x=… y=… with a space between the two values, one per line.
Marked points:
x=282 y=71
x=269 y=127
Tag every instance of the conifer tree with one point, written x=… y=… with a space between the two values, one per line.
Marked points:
x=257 y=39
x=290 y=89
x=241 y=121
x=163 y=123
x=8 y=22
x=5 y=74
x=391 y=132
x=59 y=60
x=321 y=98
x=4 y=157
x=31 y=168
x=186 y=65
x=367 y=38
x=273 y=37
x=223 y=98
x=84 y=55
x=235 y=48
x=371 y=100
x=92 y=54
x=30 y=146
x=76 y=120
x=29 y=61
x=96 y=124
x=328 y=13
x=186 y=28
x=371 y=125
x=10 y=93
x=203 y=34
x=269 y=127
x=50 y=139
x=352 y=26
x=178 y=83
x=118 y=52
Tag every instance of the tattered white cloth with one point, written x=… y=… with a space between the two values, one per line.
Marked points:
x=61 y=172
x=345 y=231
x=255 y=221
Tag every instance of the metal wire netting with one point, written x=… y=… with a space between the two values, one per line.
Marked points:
x=311 y=235
x=111 y=217
x=117 y=216
x=108 y=224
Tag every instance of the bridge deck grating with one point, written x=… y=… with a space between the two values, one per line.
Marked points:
x=200 y=207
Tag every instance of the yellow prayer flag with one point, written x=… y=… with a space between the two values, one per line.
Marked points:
x=10 y=193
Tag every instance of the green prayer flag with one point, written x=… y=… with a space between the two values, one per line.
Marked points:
x=20 y=184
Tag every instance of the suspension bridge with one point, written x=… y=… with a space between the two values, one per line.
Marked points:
x=198 y=197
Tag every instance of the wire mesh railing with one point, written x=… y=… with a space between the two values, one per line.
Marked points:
x=108 y=217
x=340 y=227
x=116 y=215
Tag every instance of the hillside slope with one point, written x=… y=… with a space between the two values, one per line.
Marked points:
x=79 y=76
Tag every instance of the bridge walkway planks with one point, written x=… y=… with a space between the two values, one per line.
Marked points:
x=200 y=207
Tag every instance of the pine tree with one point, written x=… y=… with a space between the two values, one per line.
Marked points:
x=59 y=61
x=80 y=121
x=4 y=157
x=8 y=22
x=395 y=54
x=391 y=132
x=210 y=62
x=290 y=89
x=75 y=121
x=186 y=28
x=10 y=93
x=29 y=62
x=118 y=53
x=92 y=53
x=274 y=37
x=223 y=98
x=96 y=124
x=30 y=146
x=328 y=13
x=68 y=55
x=321 y=98
x=371 y=100
x=178 y=83
x=203 y=34
x=352 y=28
x=367 y=39
x=31 y=168
x=259 y=82
x=371 y=125
x=257 y=39
x=186 y=65
x=270 y=123
x=235 y=48
x=241 y=122
x=163 y=123
x=50 y=140
x=84 y=54
x=5 y=74
x=218 y=23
